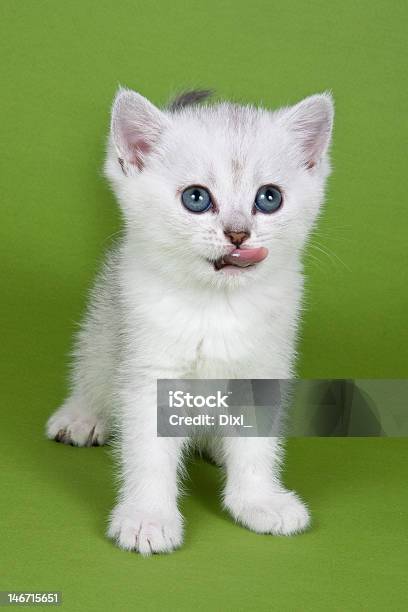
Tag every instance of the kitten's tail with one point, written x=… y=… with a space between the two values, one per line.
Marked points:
x=189 y=98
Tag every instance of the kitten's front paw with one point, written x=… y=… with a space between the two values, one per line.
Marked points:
x=70 y=425
x=145 y=532
x=280 y=513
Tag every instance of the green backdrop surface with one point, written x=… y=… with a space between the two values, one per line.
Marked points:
x=60 y=65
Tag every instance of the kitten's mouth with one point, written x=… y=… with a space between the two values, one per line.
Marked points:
x=239 y=259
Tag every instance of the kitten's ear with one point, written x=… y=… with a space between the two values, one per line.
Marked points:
x=136 y=126
x=311 y=121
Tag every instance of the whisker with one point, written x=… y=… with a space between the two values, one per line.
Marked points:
x=330 y=254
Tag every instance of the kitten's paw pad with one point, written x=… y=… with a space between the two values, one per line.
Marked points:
x=144 y=532
x=282 y=514
x=72 y=427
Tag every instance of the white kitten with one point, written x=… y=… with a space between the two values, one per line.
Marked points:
x=167 y=305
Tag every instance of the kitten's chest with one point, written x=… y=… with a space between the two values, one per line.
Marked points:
x=218 y=338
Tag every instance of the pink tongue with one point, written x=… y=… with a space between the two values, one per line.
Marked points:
x=245 y=257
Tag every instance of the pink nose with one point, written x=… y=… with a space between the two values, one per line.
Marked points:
x=237 y=238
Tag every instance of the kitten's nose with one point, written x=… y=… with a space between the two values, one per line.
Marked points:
x=237 y=238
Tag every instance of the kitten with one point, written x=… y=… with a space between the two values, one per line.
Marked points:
x=218 y=202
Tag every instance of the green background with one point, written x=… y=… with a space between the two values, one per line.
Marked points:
x=60 y=65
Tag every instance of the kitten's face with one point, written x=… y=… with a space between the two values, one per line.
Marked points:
x=219 y=195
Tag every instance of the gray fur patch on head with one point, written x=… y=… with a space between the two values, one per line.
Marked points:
x=190 y=98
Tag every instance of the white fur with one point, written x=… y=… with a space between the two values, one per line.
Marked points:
x=160 y=310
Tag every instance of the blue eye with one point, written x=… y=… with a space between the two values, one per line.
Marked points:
x=196 y=199
x=268 y=199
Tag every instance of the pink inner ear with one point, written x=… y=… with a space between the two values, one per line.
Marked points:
x=138 y=148
x=136 y=126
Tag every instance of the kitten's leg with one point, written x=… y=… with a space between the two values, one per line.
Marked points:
x=146 y=518
x=85 y=417
x=253 y=493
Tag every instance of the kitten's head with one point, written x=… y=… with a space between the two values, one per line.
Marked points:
x=218 y=195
